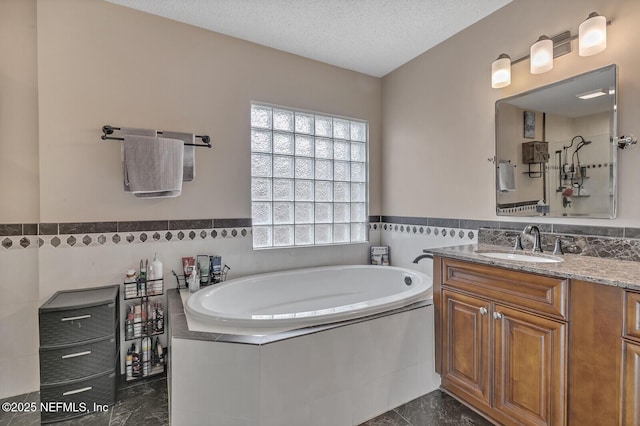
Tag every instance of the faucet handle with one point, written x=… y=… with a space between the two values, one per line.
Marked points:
x=557 y=249
x=518 y=243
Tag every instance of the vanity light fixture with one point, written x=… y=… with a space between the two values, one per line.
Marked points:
x=592 y=35
x=592 y=39
x=501 y=71
x=541 y=55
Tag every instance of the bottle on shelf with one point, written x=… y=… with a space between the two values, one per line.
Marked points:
x=129 y=363
x=136 y=370
x=157 y=275
x=129 y=323
x=146 y=359
x=159 y=318
x=158 y=352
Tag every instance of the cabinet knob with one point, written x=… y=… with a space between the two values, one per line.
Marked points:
x=483 y=311
x=497 y=315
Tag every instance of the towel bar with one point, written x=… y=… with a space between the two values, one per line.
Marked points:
x=108 y=130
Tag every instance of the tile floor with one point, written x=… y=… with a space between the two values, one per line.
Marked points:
x=146 y=404
x=141 y=403
x=433 y=409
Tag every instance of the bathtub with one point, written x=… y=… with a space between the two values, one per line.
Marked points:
x=333 y=345
x=304 y=297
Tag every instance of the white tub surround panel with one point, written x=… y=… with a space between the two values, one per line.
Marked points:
x=340 y=376
x=214 y=383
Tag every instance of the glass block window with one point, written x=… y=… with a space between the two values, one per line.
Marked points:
x=309 y=175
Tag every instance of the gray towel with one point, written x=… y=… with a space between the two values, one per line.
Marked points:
x=189 y=168
x=505 y=181
x=159 y=194
x=154 y=165
x=131 y=131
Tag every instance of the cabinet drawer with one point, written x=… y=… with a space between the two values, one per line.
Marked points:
x=78 y=398
x=77 y=325
x=77 y=361
x=545 y=295
x=632 y=315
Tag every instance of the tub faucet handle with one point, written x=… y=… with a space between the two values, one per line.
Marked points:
x=518 y=244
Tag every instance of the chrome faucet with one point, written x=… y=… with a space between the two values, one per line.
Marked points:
x=528 y=230
x=426 y=255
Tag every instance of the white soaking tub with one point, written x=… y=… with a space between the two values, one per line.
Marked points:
x=304 y=297
x=322 y=346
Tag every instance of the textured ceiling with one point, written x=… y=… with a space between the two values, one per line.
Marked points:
x=369 y=36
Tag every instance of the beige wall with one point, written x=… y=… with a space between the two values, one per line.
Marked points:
x=438 y=109
x=18 y=112
x=99 y=63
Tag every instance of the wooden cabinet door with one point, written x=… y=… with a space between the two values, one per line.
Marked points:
x=530 y=367
x=465 y=343
x=630 y=384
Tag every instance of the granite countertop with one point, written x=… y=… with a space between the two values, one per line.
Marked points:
x=614 y=272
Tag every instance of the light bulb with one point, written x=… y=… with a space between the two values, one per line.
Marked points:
x=592 y=35
x=501 y=72
x=541 y=55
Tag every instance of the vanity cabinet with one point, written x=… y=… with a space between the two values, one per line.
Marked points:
x=465 y=364
x=630 y=407
x=502 y=343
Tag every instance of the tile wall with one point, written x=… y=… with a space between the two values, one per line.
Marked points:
x=39 y=259
x=67 y=256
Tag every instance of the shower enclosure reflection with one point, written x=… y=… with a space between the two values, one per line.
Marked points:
x=554 y=150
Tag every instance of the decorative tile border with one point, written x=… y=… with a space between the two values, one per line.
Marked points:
x=120 y=238
x=94 y=234
x=436 y=231
x=90 y=234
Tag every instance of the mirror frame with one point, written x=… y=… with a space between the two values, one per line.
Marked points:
x=613 y=137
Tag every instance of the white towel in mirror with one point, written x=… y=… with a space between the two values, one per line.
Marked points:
x=506 y=181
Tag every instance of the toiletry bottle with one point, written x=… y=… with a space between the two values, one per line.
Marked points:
x=130 y=284
x=143 y=317
x=153 y=328
x=129 y=363
x=129 y=323
x=146 y=348
x=143 y=279
x=157 y=274
x=135 y=361
x=194 y=280
x=159 y=318
x=159 y=351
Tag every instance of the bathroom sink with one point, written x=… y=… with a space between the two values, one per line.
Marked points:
x=520 y=257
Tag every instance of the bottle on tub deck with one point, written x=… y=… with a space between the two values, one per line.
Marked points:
x=157 y=274
x=194 y=280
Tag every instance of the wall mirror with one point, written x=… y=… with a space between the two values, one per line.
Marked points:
x=555 y=154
